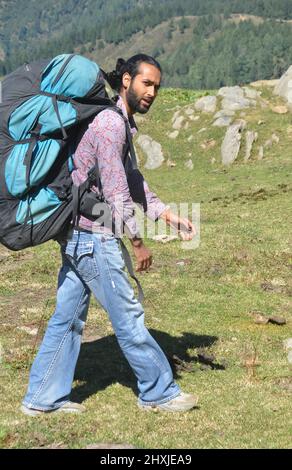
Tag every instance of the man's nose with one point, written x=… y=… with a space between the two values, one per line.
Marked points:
x=151 y=91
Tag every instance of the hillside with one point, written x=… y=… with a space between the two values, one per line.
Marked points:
x=201 y=43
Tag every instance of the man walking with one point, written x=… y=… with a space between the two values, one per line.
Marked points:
x=93 y=263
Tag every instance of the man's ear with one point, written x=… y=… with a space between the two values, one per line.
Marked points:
x=126 y=80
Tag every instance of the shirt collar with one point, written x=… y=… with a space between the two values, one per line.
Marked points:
x=120 y=104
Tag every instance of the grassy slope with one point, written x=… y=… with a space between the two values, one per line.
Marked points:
x=203 y=304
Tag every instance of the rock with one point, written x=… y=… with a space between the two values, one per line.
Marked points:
x=252 y=94
x=261 y=153
x=236 y=104
x=265 y=83
x=284 y=87
x=208 y=144
x=250 y=138
x=189 y=164
x=224 y=113
x=177 y=122
x=280 y=109
x=268 y=143
x=152 y=150
x=206 y=104
x=275 y=138
x=170 y=163
x=164 y=238
x=194 y=118
x=287 y=343
x=190 y=138
x=186 y=126
x=176 y=114
x=29 y=331
x=213 y=160
x=223 y=121
x=180 y=263
x=289 y=357
x=231 y=143
x=233 y=99
x=260 y=319
x=189 y=111
x=173 y=135
x=277 y=320
x=261 y=122
x=232 y=92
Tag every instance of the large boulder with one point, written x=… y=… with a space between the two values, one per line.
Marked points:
x=234 y=99
x=231 y=143
x=152 y=150
x=284 y=87
x=206 y=104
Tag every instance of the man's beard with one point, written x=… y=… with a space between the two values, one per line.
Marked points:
x=134 y=102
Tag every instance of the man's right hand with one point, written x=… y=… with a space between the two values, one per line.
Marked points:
x=142 y=254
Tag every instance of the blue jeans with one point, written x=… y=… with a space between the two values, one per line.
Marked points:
x=94 y=263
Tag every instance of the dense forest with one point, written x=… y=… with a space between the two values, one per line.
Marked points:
x=217 y=52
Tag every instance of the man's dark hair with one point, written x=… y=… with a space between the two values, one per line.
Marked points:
x=131 y=66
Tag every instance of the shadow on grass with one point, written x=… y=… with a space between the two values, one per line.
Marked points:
x=101 y=362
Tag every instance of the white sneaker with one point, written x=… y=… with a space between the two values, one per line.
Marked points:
x=183 y=402
x=68 y=407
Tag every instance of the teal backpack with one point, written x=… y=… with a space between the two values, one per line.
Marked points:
x=44 y=106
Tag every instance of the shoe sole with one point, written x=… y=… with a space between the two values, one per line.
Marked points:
x=158 y=408
x=32 y=412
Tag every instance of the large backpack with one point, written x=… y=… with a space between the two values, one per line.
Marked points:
x=44 y=105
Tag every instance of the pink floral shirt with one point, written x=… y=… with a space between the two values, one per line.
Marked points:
x=104 y=139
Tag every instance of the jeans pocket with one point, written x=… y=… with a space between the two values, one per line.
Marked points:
x=81 y=255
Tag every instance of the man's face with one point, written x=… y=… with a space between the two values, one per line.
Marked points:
x=143 y=89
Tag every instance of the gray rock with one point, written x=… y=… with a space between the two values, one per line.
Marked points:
x=261 y=153
x=194 y=118
x=189 y=164
x=164 y=238
x=223 y=121
x=206 y=104
x=224 y=113
x=250 y=138
x=231 y=92
x=268 y=143
x=231 y=143
x=284 y=87
x=189 y=111
x=231 y=104
x=177 y=122
x=287 y=343
x=173 y=135
x=251 y=94
x=152 y=150
x=233 y=99
x=28 y=330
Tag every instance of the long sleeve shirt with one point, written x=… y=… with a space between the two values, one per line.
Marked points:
x=104 y=140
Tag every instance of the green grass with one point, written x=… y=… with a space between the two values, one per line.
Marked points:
x=202 y=305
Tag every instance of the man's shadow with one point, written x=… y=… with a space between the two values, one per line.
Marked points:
x=101 y=362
